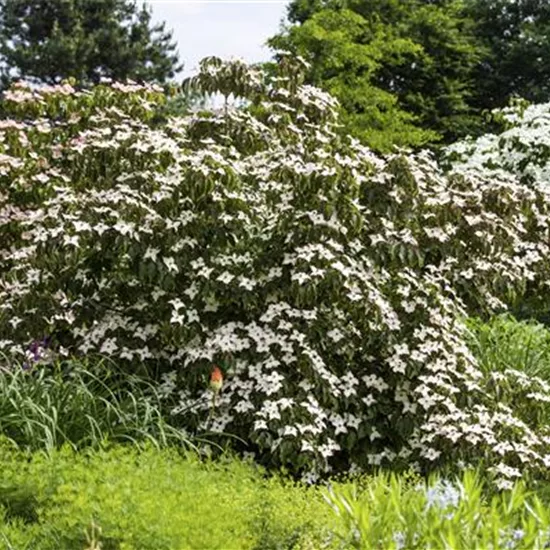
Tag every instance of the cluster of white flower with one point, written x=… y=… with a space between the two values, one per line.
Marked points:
x=521 y=150
x=328 y=283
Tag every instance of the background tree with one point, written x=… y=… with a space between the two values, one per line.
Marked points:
x=347 y=52
x=462 y=58
x=49 y=40
x=401 y=68
x=518 y=51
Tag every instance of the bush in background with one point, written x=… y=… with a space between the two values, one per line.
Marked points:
x=521 y=150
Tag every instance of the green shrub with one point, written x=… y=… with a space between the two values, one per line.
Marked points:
x=153 y=500
x=520 y=154
x=328 y=283
x=81 y=405
x=521 y=150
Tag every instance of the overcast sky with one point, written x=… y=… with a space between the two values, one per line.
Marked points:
x=225 y=28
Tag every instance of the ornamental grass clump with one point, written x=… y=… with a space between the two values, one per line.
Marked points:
x=328 y=284
x=81 y=405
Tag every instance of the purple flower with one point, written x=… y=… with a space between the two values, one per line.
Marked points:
x=35 y=352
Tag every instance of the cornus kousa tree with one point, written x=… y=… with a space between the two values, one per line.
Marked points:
x=326 y=283
x=521 y=152
x=522 y=149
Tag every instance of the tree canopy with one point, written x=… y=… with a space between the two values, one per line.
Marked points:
x=409 y=72
x=517 y=63
x=51 y=40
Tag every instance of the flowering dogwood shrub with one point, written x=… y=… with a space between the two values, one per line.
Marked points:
x=520 y=153
x=327 y=283
x=521 y=149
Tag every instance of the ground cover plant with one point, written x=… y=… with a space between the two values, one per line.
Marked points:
x=329 y=285
x=123 y=498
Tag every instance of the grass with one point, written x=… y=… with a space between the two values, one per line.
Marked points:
x=505 y=343
x=71 y=403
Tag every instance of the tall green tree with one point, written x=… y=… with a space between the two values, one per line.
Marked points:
x=462 y=58
x=346 y=52
x=49 y=40
x=402 y=69
x=516 y=34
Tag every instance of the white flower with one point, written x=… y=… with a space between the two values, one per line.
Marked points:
x=432 y=454
x=177 y=304
x=71 y=240
x=335 y=335
x=171 y=265
x=151 y=253
x=109 y=346
x=225 y=277
x=177 y=318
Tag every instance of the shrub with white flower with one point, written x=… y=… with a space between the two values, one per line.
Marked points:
x=329 y=284
x=521 y=149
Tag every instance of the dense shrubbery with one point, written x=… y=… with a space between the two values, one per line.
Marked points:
x=328 y=283
x=123 y=499
x=521 y=151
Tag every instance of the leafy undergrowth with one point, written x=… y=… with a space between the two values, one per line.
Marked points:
x=125 y=498
x=154 y=499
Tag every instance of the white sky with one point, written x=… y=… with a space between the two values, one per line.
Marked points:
x=224 y=28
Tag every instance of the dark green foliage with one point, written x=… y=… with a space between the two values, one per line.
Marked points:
x=50 y=40
x=412 y=71
x=518 y=55
x=437 y=85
